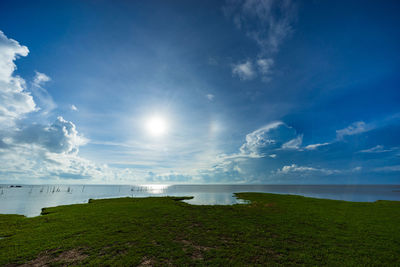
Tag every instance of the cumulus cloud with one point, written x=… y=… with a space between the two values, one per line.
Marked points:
x=304 y=169
x=295 y=168
x=36 y=150
x=15 y=101
x=59 y=137
x=39 y=153
x=33 y=164
x=266 y=152
x=245 y=70
x=263 y=137
x=275 y=135
x=10 y=50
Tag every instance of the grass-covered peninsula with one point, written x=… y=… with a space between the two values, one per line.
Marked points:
x=272 y=229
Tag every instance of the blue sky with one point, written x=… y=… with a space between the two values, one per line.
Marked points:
x=237 y=91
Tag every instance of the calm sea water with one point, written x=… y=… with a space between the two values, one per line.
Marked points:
x=28 y=200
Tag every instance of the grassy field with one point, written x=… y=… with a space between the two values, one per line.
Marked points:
x=272 y=230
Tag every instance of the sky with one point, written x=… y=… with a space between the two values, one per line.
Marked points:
x=235 y=91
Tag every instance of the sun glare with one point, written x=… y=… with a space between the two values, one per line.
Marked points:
x=156 y=126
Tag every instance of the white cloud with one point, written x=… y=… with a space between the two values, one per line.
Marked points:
x=49 y=154
x=74 y=108
x=40 y=94
x=9 y=52
x=294 y=143
x=267 y=22
x=35 y=151
x=40 y=79
x=304 y=169
x=376 y=149
x=259 y=138
x=244 y=71
x=15 y=101
x=355 y=128
x=273 y=136
x=29 y=163
x=265 y=65
x=357 y=169
x=59 y=137
x=210 y=97
x=315 y=146
x=394 y=168
x=362 y=127
x=295 y=168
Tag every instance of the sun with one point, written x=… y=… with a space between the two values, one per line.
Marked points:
x=156 y=126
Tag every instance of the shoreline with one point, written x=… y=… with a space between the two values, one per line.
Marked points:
x=183 y=198
x=272 y=229
x=29 y=200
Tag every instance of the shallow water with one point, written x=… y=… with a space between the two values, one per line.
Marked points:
x=28 y=200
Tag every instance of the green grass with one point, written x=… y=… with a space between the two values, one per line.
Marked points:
x=272 y=230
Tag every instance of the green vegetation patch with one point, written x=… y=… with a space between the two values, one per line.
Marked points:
x=271 y=230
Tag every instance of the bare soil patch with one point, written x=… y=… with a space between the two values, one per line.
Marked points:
x=47 y=258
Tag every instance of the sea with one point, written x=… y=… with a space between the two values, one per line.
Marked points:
x=29 y=200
